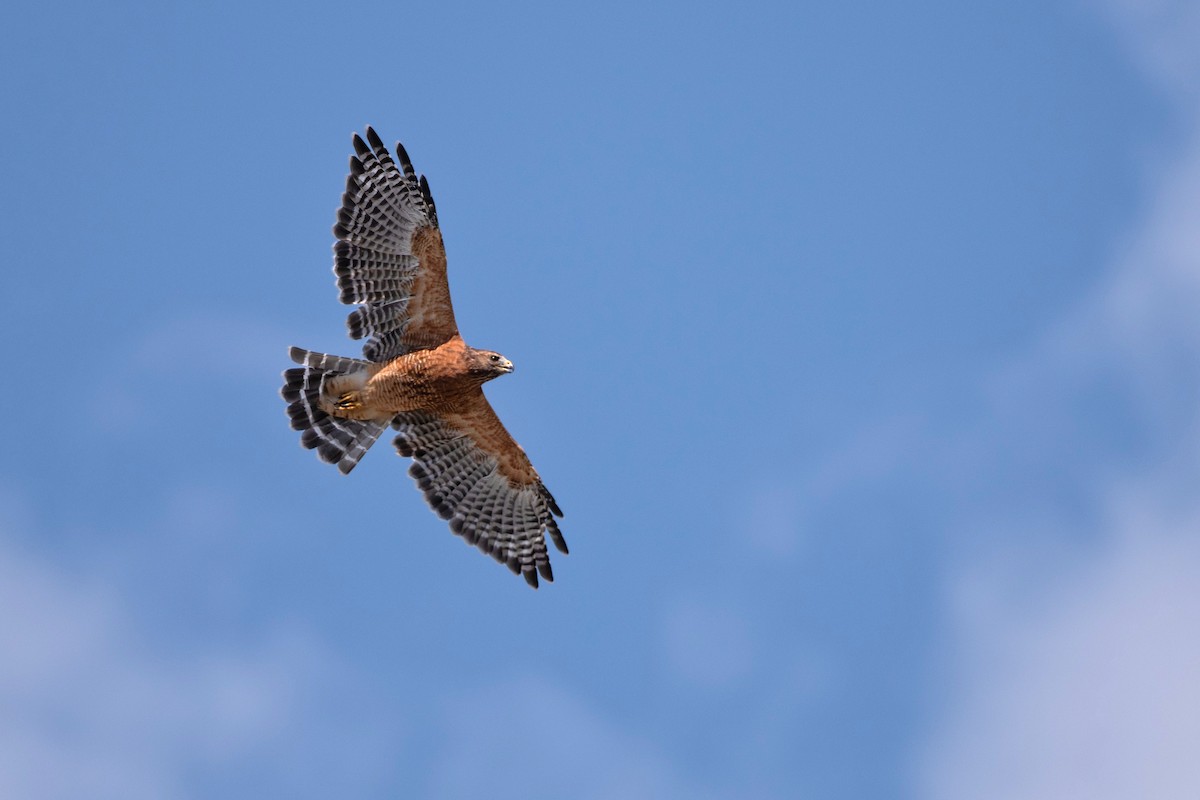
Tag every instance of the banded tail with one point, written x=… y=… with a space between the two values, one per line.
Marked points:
x=337 y=440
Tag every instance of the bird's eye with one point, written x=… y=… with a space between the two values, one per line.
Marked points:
x=495 y=358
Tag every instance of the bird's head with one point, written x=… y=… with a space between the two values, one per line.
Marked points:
x=487 y=364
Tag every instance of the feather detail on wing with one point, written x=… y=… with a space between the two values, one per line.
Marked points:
x=476 y=476
x=389 y=257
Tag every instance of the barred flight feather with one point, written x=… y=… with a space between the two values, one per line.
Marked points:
x=382 y=209
x=383 y=319
x=463 y=483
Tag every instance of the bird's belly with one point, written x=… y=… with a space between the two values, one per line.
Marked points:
x=414 y=389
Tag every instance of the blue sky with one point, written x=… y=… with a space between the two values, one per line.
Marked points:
x=857 y=342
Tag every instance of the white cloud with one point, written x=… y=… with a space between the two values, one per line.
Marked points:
x=1076 y=676
x=93 y=705
x=1071 y=666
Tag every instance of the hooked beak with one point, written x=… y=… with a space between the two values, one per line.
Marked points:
x=506 y=365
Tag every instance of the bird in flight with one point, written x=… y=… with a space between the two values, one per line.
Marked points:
x=417 y=375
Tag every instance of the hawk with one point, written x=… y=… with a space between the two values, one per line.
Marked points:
x=417 y=375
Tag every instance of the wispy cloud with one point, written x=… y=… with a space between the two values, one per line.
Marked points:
x=1160 y=38
x=1071 y=665
x=1073 y=675
x=580 y=752
x=217 y=349
x=96 y=705
x=706 y=644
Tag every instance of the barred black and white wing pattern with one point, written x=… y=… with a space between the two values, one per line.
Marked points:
x=487 y=489
x=337 y=440
x=389 y=257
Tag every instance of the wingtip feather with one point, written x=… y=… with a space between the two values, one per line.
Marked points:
x=374 y=140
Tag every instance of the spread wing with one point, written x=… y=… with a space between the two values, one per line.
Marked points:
x=389 y=256
x=474 y=475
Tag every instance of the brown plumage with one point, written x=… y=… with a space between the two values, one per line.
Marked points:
x=417 y=374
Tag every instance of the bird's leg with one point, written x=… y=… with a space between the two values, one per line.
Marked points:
x=343 y=396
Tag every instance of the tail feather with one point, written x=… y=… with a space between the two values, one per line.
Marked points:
x=325 y=362
x=337 y=440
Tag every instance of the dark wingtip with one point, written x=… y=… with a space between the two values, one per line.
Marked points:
x=360 y=146
x=374 y=140
x=550 y=502
x=544 y=570
x=531 y=578
x=428 y=195
x=402 y=154
x=556 y=536
x=297 y=354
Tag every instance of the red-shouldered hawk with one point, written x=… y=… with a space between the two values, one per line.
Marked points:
x=418 y=376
